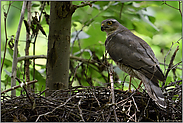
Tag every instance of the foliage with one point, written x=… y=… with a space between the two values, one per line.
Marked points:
x=154 y=21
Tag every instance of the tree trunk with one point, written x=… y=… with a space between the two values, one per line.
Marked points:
x=58 y=46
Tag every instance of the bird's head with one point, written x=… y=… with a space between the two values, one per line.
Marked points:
x=109 y=26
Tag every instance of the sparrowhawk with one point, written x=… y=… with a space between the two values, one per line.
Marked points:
x=135 y=57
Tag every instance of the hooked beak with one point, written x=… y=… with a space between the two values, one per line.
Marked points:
x=102 y=28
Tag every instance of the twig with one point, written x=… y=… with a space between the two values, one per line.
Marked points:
x=74 y=71
x=129 y=108
x=132 y=117
x=124 y=105
x=112 y=93
x=146 y=106
x=76 y=37
x=135 y=104
x=135 y=116
x=175 y=66
x=173 y=83
x=45 y=57
x=80 y=111
x=85 y=4
x=31 y=57
x=34 y=43
x=57 y=107
x=15 y=87
x=5 y=17
x=126 y=98
x=180 y=8
x=170 y=5
x=167 y=65
x=122 y=5
x=96 y=99
x=98 y=105
x=14 y=63
x=44 y=91
x=128 y=112
x=25 y=90
x=171 y=63
x=170 y=50
x=26 y=64
x=174 y=7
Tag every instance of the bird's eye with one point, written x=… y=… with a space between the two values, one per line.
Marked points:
x=109 y=22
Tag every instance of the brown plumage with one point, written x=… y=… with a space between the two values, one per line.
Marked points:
x=135 y=57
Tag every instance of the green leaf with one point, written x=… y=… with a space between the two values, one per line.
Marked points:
x=41 y=79
x=146 y=19
x=7 y=63
x=141 y=28
x=152 y=19
x=35 y=5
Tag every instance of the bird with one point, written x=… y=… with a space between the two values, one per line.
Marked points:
x=135 y=57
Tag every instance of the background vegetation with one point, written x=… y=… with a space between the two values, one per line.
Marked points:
x=157 y=22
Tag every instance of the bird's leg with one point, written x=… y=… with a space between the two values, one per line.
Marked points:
x=129 y=88
x=139 y=85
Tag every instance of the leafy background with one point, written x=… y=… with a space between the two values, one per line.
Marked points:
x=154 y=21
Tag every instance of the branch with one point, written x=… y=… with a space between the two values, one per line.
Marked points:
x=34 y=43
x=174 y=7
x=174 y=65
x=122 y=5
x=31 y=57
x=170 y=5
x=85 y=4
x=112 y=93
x=15 y=87
x=80 y=111
x=170 y=50
x=26 y=64
x=173 y=83
x=22 y=85
x=5 y=17
x=45 y=57
x=14 y=63
x=171 y=61
x=180 y=8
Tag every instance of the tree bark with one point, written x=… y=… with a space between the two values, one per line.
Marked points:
x=58 y=46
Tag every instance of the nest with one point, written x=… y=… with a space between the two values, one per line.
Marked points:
x=91 y=104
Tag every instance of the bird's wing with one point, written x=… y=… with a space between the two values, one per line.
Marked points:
x=132 y=51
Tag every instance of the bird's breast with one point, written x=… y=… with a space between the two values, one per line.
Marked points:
x=128 y=70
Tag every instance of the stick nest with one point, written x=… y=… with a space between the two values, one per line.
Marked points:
x=91 y=104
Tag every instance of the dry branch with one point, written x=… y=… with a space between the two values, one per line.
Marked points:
x=18 y=86
x=26 y=64
x=45 y=57
x=82 y=104
x=15 y=52
x=57 y=107
x=171 y=61
x=112 y=93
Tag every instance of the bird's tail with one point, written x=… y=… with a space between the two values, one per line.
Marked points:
x=155 y=92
